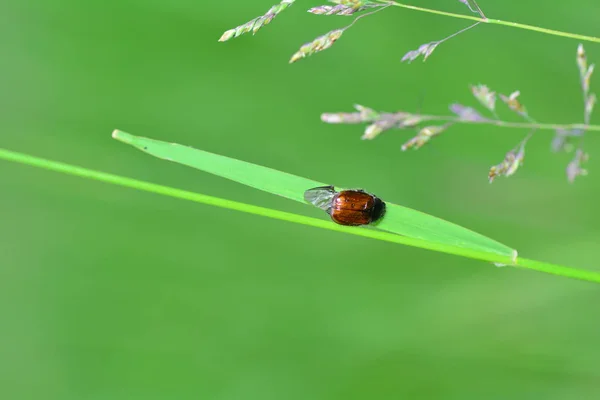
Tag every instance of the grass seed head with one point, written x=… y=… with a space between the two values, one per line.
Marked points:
x=574 y=168
x=514 y=104
x=343 y=7
x=257 y=23
x=586 y=79
x=364 y=114
x=590 y=102
x=424 y=136
x=581 y=60
x=563 y=139
x=511 y=163
x=378 y=127
x=424 y=50
x=319 y=44
x=485 y=96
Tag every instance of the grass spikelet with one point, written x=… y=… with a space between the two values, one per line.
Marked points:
x=563 y=139
x=363 y=114
x=339 y=9
x=319 y=44
x=257 y=23
x=424 y=136
x=344 y=7
x=379 y=126
x=512 y=161
x=582 y=60
x=574 y=168
x=326 y=41
x=585 y=75
x=512 y=101
x=590 y=102
x=485 y=96
x=426 y=49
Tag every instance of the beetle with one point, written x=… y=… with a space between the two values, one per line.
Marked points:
x=347 y=207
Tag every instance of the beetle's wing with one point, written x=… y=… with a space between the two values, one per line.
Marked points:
x=320 y=197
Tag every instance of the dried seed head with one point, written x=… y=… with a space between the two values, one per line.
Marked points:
x=574 y=168
x=425 y=50
x=424 y=136
x=466 y=113
x=258 y=22
x=563 y=139
x=486 y=97
x=512 y=161
x=514 y=104
x=319 y=44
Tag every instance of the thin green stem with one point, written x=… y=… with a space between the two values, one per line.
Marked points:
x=580 y=274
x=366 y=15
x=299 y=219
x=498 y=22
x=458 y=33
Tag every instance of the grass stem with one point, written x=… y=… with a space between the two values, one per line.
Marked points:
x=534 y=28
x=68 y=169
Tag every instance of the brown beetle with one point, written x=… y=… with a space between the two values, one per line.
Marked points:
x=348 y=207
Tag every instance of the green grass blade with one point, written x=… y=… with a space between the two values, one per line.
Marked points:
x=398 y=219
x=122 y=181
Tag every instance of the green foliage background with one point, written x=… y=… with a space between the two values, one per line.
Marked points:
x=108 y=293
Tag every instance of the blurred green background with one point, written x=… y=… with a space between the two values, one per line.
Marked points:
x=110 y=293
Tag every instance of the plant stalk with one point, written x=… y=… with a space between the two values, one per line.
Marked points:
x=68 y=169
x=506 y=124
x=534 y=28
